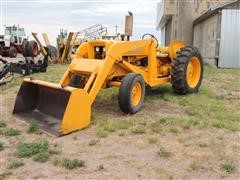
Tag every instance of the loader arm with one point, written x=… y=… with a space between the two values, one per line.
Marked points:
x=114 y=55
x=66 y=107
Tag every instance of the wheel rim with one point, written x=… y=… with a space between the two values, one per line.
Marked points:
x=35 y=49
x=193 y=72
x=136 y=94
x=14 y=53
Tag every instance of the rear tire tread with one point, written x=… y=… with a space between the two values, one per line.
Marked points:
x=178 y=73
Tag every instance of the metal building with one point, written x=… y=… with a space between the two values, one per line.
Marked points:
x=175 y=18
x=217 y=35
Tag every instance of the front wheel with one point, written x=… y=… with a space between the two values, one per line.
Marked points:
x=131 y=93
x=187 y=71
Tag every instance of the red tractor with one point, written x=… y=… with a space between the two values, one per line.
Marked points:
x=15 y=40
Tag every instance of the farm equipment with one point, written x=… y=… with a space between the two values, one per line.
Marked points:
x=15 y=40
x=26 y=67
x=130 y=65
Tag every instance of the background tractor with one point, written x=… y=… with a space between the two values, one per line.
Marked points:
x=15 y=40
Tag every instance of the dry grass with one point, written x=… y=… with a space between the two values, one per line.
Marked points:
x=194 y=136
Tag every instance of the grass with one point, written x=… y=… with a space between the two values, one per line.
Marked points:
x=93 y=142
x=228 y=167
x=194 y=166
x=174 y=130
x=111 y=125
x=202 y=144
x=41 y=157
x=2 y=146
x=40 y=151
x=15 y=163
x=72 y=164
x=30 y=149
x=156 y=127
x=53 y=74
x=5 y=174
x=164 y=174
x=2 y=124
x=100 y=167
x=54 y=149
x=122 y=133
x=33 y=128
x=101 y=133
x=204 y=110
x=67 y=163
x=139 y=130
x=152 y=140
x=11 y=132
x=164 y=153
x=56 y=160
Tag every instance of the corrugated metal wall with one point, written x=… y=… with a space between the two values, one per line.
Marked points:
x=229 y=55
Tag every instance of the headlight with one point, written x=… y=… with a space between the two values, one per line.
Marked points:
x=97 y=49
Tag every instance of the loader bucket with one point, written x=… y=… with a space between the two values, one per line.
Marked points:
x=57 y=110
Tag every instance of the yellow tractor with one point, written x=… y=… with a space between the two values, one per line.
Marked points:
x=130 y=65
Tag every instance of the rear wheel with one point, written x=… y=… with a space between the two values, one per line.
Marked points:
x=24 y=48
x=32 y=49
x=187 y=71
x=131 y=93
x=1 y=51
x=12 y=52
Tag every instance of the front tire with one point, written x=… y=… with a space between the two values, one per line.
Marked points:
x=187 y=71
x=131 y=93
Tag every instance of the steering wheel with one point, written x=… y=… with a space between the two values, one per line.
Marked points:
x=152 y=36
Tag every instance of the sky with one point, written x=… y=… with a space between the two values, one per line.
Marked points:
x=49 y=16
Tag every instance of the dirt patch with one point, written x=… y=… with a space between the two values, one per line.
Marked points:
x=185 y=153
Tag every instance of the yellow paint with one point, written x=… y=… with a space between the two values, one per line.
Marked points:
x=117 y=59
x=78 y=112
x=136 y=94
x=193 y=72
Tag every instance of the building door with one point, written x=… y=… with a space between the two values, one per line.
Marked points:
x=229 y=54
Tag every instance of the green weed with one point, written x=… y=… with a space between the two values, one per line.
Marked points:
x=101 y=133
x=41 y=157
x=33 y=128
x=30 y=149
x=1 y=146
x=202 y=144
x=164 y=153
x=139 y=130
x=122 y=133
x=2 y=124
x=5 y=174
x=93 y=142
x=228 y=167
x=152 y=140
x=16 y=163
x=164 y=174
x=11 y=132
x=100 y=167
x=71 y=164
x=174 y=130
x=56 y=160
